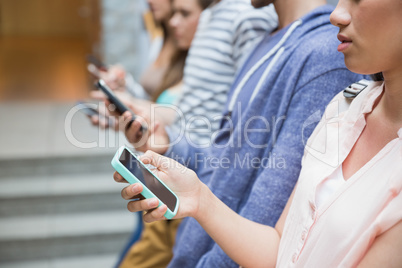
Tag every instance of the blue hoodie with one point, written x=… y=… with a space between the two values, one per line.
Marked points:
x=273 y=107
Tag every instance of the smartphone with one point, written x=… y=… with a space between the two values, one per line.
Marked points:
x=86 y=109
x=89 y=110
x=133 y=170
x=120 y=107
x=95 y=61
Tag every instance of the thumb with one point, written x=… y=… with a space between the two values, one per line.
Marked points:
x=154 y=159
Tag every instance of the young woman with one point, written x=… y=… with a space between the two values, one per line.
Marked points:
x=346 y=210
x=184 y=24
x=167 y=60
x=162 y=81
x=170 y=60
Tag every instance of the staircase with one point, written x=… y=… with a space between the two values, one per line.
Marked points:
x=59 y=205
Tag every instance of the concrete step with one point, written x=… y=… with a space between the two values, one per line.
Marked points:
x=56 y=165
x=55 y=205
x=59 y=194
x=62 y=216
x=54 y=226
x=59 y=205
x=55 y=236
x=37 y=186
x=98 y=261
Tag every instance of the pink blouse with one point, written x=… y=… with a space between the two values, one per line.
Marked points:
x=342 y=229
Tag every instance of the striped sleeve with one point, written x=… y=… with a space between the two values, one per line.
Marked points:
x=248 y=27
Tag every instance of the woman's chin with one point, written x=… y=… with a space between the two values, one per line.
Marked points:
x=359 y=67
x=183 y=45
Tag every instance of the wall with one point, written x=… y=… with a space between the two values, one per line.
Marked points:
x=124 y=39
x=333 y=2
x=43 y=44
x=43 y=17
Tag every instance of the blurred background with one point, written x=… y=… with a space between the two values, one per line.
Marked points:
x=59 y=206
x=44 y=43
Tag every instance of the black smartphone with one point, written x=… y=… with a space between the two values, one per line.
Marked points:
x=88 y=110
x=95 y=61
x=120 y=107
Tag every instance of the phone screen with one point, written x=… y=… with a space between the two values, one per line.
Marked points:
x=86 y=109
x=148 y=178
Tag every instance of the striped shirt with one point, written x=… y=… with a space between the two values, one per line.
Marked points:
x=226 y=34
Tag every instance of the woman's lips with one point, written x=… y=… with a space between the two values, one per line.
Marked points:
x=346 y=42
x=342 y=47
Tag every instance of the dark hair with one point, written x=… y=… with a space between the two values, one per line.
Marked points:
x=174 y=73
x=206 y=3
x=377 y=77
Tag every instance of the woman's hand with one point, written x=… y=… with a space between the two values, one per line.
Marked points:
x=181 y=180
x=154 y=138
x=107 y=110
x=245 y=241
x=114 y=76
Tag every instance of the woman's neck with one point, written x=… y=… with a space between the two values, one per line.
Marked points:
x=290 y=10
x=391 y=102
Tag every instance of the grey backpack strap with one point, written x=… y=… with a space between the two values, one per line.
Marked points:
x=351 y=92
x=354 y=89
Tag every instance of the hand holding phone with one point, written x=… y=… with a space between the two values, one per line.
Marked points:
x=134 y=171
x=98 y=64
x=114 y=75
x=90 y=111
x=120 y=107
x=86 y=109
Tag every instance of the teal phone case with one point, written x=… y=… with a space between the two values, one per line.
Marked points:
x=122 y=170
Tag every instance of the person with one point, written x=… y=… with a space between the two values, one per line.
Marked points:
x=255 y=159
x=153 y=249
x=167 y=68
x=346 y=208
x=166 y=60
x=226 y=31
x=165 y=71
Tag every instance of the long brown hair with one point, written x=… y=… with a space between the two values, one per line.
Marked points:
x=173 y=74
